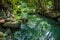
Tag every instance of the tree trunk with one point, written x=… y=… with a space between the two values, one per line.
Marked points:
x=56 y=5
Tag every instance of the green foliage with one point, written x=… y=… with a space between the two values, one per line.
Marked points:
x=21 y=7
x=18 y=8
x=49 y=3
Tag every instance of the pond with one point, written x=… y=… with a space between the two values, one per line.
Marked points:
x=37 y=28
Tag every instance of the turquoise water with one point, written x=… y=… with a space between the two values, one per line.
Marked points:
x=37 y=28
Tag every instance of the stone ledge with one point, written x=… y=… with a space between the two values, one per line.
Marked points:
x=12 y=24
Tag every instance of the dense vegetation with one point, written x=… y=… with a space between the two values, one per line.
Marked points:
x=29 y=19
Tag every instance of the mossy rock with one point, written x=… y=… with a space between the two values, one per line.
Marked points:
x=1 y=34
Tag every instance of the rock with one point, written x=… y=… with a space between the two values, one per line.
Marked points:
x=24 y=20
x=58 y=19
x=9 y=19
x=1 y=34
x=2 y=20
x=12 y=24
